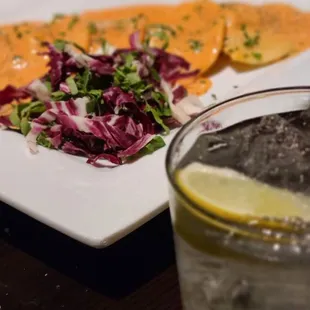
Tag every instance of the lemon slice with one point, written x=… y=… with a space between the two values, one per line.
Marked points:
x=235 y=197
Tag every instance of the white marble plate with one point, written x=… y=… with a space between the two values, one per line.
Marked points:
x=100 y=206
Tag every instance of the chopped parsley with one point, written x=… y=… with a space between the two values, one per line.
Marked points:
x=186 y=17
x=195 y=45
x=44 y=140
x=92 y=28
x=72 y=85
x=17 y=57
x=214 y=96
x=128 y=79
x=120 y=25
x=60 y=45
x=198 y=8
x=104 y=44
x=161 y=35
x=135 y=20
x=257 y=56
x=57 y=16
x=74 y=20
x=180 y=28
x=163 y=27
x=155 y=74
x=18 y=33
x=249 y=41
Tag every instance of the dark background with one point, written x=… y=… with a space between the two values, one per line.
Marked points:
x=43 y=269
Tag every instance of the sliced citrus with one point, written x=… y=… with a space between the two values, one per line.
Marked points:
x=236 y=197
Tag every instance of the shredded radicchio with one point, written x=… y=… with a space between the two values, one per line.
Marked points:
x=109 y=107
x=11 y=93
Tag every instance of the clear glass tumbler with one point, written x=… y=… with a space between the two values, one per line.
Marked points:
x=224 y=264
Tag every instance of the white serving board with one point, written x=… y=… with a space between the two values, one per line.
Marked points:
x=100 y=206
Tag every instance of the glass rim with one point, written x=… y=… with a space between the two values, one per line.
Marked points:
x=191 y=124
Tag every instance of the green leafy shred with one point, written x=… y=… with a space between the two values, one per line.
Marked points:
x=82 y=81
x=43 y=140
x=128 y=79
x=60 y=44
x=15 y=116
x=72 y=86
x=159 y=97
x=35 y=107
x=157 y=114
x=85 y=79
x=23 y=113
x=25 y=126
x=91 y=106
x=59 y=95
x=155 y=74
x=152 y=146
x=133 y=78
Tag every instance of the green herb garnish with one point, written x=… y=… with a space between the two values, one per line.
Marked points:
x=163 y=27
x=164 y=37
x=91 y=106
x=180 y=28
x=120 y=25
x=57 y=16
x=74 y=20
x=43 y=140
x=85 y=79
x=155 y=74
x=60 y=44
x=23 y=112
x=92 y=28
x=195 y=45
x=154 y=145
x=248 y=40
x=59 y=95
x=25 y=126
x=135 y=20
x=157 y=117
x=198 y=8
x=48 y=85
x=72 y=86
x=17 y=57
x=257 y=56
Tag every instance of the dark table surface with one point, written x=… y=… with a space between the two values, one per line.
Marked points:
x=43 y=269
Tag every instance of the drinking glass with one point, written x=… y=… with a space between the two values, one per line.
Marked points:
x=224 y=264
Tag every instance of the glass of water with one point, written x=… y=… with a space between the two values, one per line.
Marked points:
x=240 y=206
